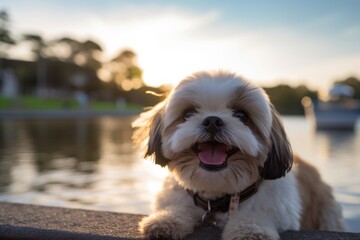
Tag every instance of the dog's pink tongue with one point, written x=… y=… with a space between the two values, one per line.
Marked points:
x=212 y=154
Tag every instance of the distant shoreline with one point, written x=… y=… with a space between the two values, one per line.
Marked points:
x=76 y=113
x=28 y=114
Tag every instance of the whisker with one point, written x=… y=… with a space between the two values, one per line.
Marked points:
x=249 y=169
x=194 y=173
x=238 y=171
x=235 y=175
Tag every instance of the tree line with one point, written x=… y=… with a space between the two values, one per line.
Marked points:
x=65 y=65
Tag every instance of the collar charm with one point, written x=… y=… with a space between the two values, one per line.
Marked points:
x=208 y=219
x=234 y=204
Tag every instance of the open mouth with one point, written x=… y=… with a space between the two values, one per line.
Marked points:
x=213 y=155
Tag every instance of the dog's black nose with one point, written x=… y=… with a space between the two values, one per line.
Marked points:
x=212 y=124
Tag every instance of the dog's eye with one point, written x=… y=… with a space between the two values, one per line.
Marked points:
x=241 y=114
x=189 y=113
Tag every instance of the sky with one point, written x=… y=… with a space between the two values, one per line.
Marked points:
x=266 y=41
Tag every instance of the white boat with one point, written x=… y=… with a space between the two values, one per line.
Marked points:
x=340 y=111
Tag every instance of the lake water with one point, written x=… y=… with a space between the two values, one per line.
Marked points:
x=90 y=163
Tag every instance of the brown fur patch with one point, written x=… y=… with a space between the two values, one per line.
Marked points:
x=320 y=211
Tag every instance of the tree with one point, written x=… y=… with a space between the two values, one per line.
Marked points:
x=124 y=71
x=39 y=48
x=84 y=54
x=6 y=39
x=287 y=99
x=39 y=45
x=352 y=82
x=72 y=45
x=90 y=50
x=87 y=55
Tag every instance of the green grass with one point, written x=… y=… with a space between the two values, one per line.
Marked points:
x=5 y=103
x=31 y=102
x=35 y=103
x=99 y=105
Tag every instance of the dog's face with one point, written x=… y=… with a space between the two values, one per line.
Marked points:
x=216 y=132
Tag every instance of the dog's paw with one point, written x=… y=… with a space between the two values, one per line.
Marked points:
x=253 y=236
x=249 y=233
x=161 y=226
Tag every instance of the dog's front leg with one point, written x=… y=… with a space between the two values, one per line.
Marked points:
x=170 y=223
x=174 y=216
x=239 y=227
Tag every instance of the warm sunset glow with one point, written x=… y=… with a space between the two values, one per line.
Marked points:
x=173 y=43
x=104 y=75
x=176 y=39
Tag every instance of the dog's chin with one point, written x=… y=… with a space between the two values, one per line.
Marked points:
x=213 y=155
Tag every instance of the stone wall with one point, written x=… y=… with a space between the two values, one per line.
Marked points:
x=23 y=221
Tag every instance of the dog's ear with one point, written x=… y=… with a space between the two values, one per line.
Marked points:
x=148 y=134
x=280 y=157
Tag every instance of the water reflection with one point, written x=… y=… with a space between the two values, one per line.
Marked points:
x=75 y=163
x=339 y=143
x=336 y=154
x=91 y=163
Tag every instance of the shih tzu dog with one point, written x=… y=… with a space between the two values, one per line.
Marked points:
x=230 y=161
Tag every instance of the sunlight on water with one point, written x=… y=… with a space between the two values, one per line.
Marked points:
x=336 y=155
x=76 y=163
x=91 y=163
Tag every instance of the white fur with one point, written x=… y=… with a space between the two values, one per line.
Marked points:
x=276 y=206
x=213 y=95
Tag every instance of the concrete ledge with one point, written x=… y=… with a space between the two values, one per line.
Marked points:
x=22 y=221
